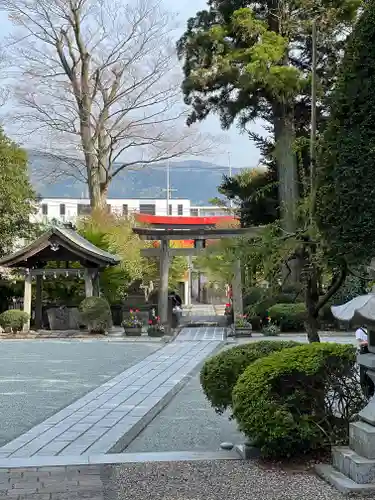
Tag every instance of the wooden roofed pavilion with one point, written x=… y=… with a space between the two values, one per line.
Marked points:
x=58 y=245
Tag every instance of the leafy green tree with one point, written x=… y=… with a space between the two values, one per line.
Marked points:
x=115 y=235
x=17 y=196
x=346 y=189
x=246 y=60
x=254 y=192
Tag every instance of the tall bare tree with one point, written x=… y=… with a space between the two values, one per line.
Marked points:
x=97 y=80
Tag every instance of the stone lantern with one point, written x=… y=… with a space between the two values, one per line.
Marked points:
x=353 y=469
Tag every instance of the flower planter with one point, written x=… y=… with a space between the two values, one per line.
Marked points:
x=242 y=331
x=156 y=333
x=133 y=332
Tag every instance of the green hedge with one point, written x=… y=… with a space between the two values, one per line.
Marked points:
x=289 y=317
x=15 y=319
x=219 y=374
x=96 y=314
x=289 y=402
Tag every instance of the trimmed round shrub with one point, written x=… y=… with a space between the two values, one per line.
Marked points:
x=219 y=374
x=299 y=400
x=14 y=319
x=96 y=314
x=289 y=317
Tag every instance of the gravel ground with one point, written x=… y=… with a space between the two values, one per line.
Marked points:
x=188 y=423
x=215 y=481
x=38 y=378
x=165 y=481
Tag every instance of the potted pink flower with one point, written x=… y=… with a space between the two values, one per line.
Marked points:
x=132 y=325
x=155 y=328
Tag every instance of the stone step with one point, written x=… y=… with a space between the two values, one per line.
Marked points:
x=360 y=469
x=343 y=483
x=362 y=439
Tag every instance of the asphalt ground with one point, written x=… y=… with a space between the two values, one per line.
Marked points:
x=39 y=378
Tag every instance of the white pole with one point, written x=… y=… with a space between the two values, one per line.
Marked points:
x=168 y=188
x=230 y=175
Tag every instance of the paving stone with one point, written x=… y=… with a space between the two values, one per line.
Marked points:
x=118 y=404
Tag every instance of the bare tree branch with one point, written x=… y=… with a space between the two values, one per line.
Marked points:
x=97 y=84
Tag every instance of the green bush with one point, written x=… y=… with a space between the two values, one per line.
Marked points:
x=261 y=309
x=289 y=317
x=299 y=400
x=219 y=374
x=252 y=296
x=326 y=316
x=256 y=323
x=295 y=290
x=96 y=314
x=14 y=319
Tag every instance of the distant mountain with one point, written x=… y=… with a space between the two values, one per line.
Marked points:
x=190 y=179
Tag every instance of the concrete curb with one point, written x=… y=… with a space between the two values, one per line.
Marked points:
x=247 y=452
x=113 y=459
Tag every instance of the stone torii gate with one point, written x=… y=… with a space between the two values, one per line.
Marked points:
x=199 y=236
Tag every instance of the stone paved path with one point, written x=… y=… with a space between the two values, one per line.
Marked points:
x=201 y=334
x=203 y=314
x=109 y=417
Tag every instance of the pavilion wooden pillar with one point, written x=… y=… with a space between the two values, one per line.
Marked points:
x=96 y=284
x=39 y=302
x=237 y=290
x=89 y=289
x=164 y=278
x=27 y=299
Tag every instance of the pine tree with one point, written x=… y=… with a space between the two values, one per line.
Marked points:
x=249 y=60
x=346 y=187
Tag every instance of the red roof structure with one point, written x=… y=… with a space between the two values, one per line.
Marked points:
x=173 y=221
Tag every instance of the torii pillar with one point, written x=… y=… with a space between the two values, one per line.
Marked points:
x=237 y=290
x=164 y=278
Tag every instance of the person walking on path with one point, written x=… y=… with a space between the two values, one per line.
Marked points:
x=367 y=385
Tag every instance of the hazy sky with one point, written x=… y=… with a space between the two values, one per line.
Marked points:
x=242 y=152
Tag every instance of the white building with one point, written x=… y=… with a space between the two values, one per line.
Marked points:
x=68 y=209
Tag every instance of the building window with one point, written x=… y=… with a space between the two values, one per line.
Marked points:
x=83 y=209
x=180 y=210
x=44 y=209
x=194 y=212
x=62 y=209
x=125 y=210
x=147 y=209
x=170 y=210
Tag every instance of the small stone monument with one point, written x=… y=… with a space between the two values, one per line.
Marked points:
x=353 y=469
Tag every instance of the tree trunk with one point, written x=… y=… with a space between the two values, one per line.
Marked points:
x=287 y=166
x=311 y=301
x=312 y=329
x=288 y=181
x=97 y=199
